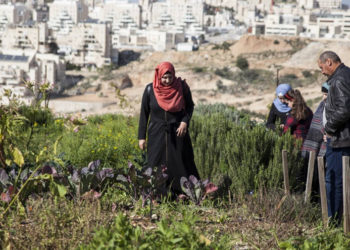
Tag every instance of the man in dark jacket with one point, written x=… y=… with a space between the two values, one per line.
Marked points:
x=337 y=127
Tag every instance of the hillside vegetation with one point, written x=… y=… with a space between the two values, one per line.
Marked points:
x=69 y=182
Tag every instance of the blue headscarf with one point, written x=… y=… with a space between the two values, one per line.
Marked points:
x=325 y=87
x=281 y=90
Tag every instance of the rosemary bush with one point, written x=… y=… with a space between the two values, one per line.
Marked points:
x=227 y=143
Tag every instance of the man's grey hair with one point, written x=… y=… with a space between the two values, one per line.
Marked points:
x=329 y=55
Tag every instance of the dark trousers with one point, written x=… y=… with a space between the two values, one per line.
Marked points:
x=334 y=182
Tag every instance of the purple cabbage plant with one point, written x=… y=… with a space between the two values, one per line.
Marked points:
x=90 y=178
x=14 y=179
x=195 y=189
x=52 y=177
x=11 y=178
x=149 y=184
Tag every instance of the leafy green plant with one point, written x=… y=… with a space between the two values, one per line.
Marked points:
x=10 y=121
x=327 y=240
x=169 y=234
x=109 y=138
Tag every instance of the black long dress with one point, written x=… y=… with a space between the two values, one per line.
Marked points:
x=164 y=146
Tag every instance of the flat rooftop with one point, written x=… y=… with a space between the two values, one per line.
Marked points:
x=13 y=58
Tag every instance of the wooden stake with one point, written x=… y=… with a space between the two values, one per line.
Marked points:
x=323 y=195
x=285 y=172
x=229 y=196
x=310 y=175
x=346 y=193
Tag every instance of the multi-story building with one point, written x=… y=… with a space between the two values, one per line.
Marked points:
x=329 y=4
x=177 y=9
x=26 y=37
x=282 y=25
x=77 y=10
x=116 y=10
x=15 y=13
x=88 y=43
x=17 y=66
x=307 y=4
x=41 y=13
x=346 y=25
x=329 y=25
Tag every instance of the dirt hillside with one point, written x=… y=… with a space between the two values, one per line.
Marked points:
x=308 y=56
x=201 y=70
x=257 y=44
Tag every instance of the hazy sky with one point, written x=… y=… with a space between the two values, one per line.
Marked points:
x=347 y=2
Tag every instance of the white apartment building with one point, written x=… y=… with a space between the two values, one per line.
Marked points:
x=50 y=68
x=346 y=25
x=222 y=3
x=177 y=9
x=283 y=25
x=26 y=37
x=41 y=13
x=87 y=43
x=77 y=10
x=187 y=25
x=158 y=40
x=13 y=14
x=283 y=29
x=334 y=24
x=222 y=18
x=329 y=4
x=17 y=67
x=162 y=40
x=307 y=4
x=116 y=10
x=13 y=67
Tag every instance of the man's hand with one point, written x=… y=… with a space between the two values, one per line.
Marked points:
x=182 y=129
x=325 y=136
x=142 y=144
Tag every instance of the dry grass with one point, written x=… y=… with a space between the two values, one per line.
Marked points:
x=254 y=221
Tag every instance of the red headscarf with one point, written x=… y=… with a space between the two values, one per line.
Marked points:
x=169 y=98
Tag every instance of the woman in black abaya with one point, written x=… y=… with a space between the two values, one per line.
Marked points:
x=166 y=110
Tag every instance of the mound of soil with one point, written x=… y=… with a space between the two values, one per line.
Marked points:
x=257 y=44
x=308 y=56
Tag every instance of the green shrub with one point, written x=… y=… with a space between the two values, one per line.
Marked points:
x=38 y=130
x=226 y=143
x=242 y=63
x=71 y=66
x=224 y=72
x=109 y=138
x=289 y=78
x=260 y=77
x=225 y=46
x=306 y=73
x=199 y=69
